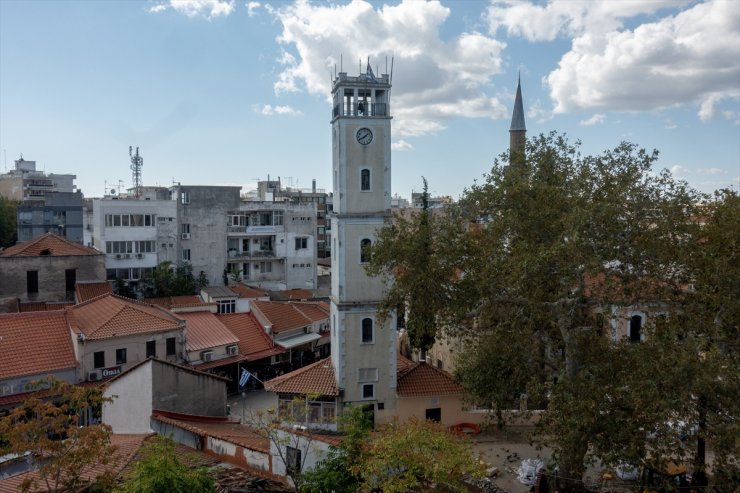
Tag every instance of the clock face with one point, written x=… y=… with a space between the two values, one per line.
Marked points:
x=364 y=136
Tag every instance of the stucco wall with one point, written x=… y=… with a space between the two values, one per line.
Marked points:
x=450 y=405
x=51 y=275
x=313 y=451
x=131 y=407
x=189 y=393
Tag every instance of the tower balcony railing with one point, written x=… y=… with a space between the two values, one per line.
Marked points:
x=361 y=109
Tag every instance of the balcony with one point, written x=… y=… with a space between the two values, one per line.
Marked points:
x=254 y=254
x=252 y=230
x=361 y=109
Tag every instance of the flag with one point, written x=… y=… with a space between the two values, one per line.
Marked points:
x=244 y=378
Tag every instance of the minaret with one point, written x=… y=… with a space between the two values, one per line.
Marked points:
x=517 y=131
x=363 y=346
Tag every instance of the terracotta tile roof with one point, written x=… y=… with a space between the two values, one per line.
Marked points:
x=425 y=380
x=48 y=244
x=89 y=290
x=126 y=448
x=254 y=343
x=227 y=430
x=171 y=302
x=111 y=316
x=220 y=362
x=316 y=378
x=403 y=364
x=203 y=330
x=313 y=311
x=281 y=315
x=220 y=292
x=34 y=343
x=41 y=306
x=245 y=291
x=292 y=294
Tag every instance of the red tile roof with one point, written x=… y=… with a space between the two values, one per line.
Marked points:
x=111 y=316
x=293 y=294
x=203 y=330
x=254 y=343
x=313 y=311
x=35 y=343
x=48 y=244
x=421 y=380
x=42 y=306
x=171 y=302
x=245 y=291
x=225 y=429
x=89 y=290
x=316 y=378
x=282 y=315
x=126 y=448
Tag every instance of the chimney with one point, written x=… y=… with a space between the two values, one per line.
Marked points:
x=313 y=186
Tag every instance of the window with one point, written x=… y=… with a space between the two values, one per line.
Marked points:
x=226 y=306
x=365 y=180
x=277 y=218
x=185 y=228
x=266 y=219
x=367 y=331
x=185 y=197
x=151 y=349
x=99 y=359
x=368 y=391
x=171 y=346
x=186 y=254
x=265 y=267
x=32 y=281
x=292 y=460
x=120 y=356
x=301 y=243
x=365 y=250
x=635 y=328
x=70 y=277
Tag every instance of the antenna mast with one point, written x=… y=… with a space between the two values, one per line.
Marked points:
x=136 y=163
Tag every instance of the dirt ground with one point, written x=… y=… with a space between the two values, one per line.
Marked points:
x=505 y=450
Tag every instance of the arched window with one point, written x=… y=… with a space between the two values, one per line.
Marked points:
x=635 y=328
x=365 y=250
x=367 y=330
x=365 y=180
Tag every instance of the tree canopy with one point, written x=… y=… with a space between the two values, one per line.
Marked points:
x=534 y=268
x=48 y=427
x=8 y=229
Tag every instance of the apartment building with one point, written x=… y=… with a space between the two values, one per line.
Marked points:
x=272 y=244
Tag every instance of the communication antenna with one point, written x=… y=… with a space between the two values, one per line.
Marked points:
x=136 y=163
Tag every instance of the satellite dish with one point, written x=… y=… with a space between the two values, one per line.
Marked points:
x=112 y=191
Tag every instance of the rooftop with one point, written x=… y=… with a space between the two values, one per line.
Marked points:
x=89 y=290
x=316 y=378
x=204 y=330
x=254 y=343
x=283 y=316
x=48 y=245
x=35 y=343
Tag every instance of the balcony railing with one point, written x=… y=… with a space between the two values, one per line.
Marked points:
x=253 y=254
x=361 y=109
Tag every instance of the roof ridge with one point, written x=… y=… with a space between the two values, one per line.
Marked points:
x=299 y=371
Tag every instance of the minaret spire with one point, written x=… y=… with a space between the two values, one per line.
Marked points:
x=518 y=130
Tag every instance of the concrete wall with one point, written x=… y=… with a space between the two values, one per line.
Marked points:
x=130 y=410
x=51 y=275
x=188 y=392
x=313 y=451
x=238 y=455
x=135 y=346
x=19 y=385
x=177 y=434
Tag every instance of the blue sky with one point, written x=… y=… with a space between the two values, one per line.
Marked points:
x=228 y=92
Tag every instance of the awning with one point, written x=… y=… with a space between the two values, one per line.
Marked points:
x=294 y=341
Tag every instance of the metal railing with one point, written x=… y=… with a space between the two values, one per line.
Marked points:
x=361 y=109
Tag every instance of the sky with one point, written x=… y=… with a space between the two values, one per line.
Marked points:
x=228 y=92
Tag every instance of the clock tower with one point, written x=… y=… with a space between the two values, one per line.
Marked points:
x=363 y=346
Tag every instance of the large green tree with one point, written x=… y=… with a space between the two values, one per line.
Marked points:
x=8 y=230
x=528 y=268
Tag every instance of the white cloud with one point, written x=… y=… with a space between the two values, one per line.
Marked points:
x=678 y=170
x=402 y=145
x=252 y=8
x=596 y=119
x=670 y=124
x=691 y=57
x=711 y=171
x=433 y=79
x=270 y=110
x=207 y=9
x=537 y=112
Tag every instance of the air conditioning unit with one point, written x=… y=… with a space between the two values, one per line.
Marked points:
x=93 y=376
x=139 y=255
x=128 y=255
x=231 y=350
x=206 y=355
x=118 y=255
x=185 y=236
